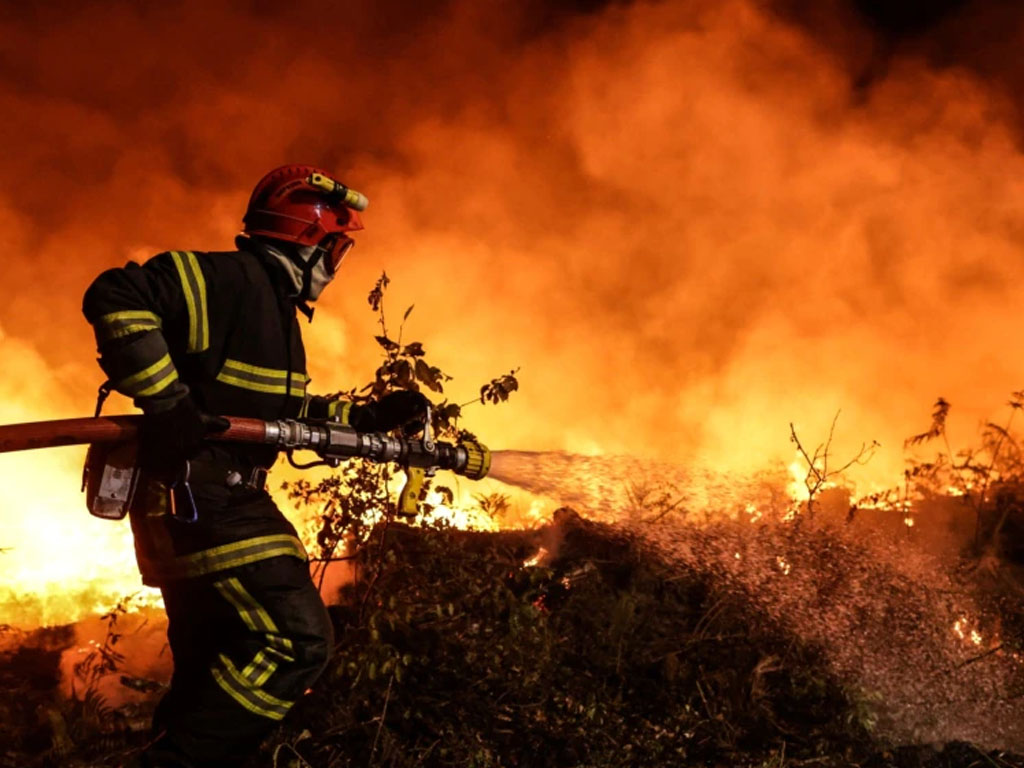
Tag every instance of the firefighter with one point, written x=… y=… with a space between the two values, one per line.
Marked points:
x=189 y=334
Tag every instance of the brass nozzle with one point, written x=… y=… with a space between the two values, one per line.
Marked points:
x=478 y=462
x=351 y=197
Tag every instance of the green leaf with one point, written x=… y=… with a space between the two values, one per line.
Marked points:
x=414 y=350
x=402 y=372
x=498 y=390
x=429 y=375
x=377 y=294
x=387 y=343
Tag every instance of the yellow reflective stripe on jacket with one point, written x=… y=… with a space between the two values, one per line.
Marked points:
x=193 y=285
x=281 y=647
x=340 y=410
x=252 y=613
x=150 y=380
x=247 y=693
x=118 y=324
x=271 y=381
x=223 y=557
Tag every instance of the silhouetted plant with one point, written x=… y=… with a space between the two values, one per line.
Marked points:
x=360 y=494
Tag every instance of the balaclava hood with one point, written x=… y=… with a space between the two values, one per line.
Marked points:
x=305 y=267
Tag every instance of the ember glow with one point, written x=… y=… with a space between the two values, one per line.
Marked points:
x=536 y=559
x=966 y=630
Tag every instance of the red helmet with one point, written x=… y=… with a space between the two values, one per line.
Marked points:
x=302 y=204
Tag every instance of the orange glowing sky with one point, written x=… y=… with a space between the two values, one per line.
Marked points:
x=688 y=223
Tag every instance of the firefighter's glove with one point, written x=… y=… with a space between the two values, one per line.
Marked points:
x=170 y=436
x=402 y=408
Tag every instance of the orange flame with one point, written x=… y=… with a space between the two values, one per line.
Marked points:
x=679 y=219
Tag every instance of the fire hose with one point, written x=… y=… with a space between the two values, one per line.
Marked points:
x=332 y=441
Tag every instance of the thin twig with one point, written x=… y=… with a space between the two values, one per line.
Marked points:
x=383 y=714
x=800 y=447
x=668 y=510
x=988 y=759
x=822 y=474
x=340 y=559
x=863 y=457
x=380 y=318
x=703 y=698
x=1003 y=434
x=322 y=569
x=986 y=654
x=831 y=433
x=957 y=471
x=426 y=754
x=388 y=518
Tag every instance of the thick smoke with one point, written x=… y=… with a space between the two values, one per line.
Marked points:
x=689 y=223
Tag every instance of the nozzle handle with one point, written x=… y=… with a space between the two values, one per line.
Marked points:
x=408 y=499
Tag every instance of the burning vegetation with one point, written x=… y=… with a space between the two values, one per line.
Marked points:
x=728 y=641
x=717 y=217
x=691 y=224
x=697 y=618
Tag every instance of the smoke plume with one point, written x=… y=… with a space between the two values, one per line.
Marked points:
x=688 y=223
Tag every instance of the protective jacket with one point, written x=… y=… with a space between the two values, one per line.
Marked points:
x=220 y=328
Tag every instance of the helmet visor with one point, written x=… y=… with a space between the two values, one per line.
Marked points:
x=337 y=245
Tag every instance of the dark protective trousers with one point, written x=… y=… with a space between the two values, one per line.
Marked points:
x=247 y=642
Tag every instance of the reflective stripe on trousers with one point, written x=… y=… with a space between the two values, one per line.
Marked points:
x=214 y=559
x=247 y=644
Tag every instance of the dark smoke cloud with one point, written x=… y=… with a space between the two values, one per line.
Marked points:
x=123 y=119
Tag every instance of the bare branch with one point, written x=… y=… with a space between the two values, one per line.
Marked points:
x=818 y=473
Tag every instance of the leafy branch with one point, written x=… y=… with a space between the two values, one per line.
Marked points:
x=972 y=472
x=352 y=502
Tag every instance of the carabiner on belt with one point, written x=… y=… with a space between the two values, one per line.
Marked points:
x=190 y=514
